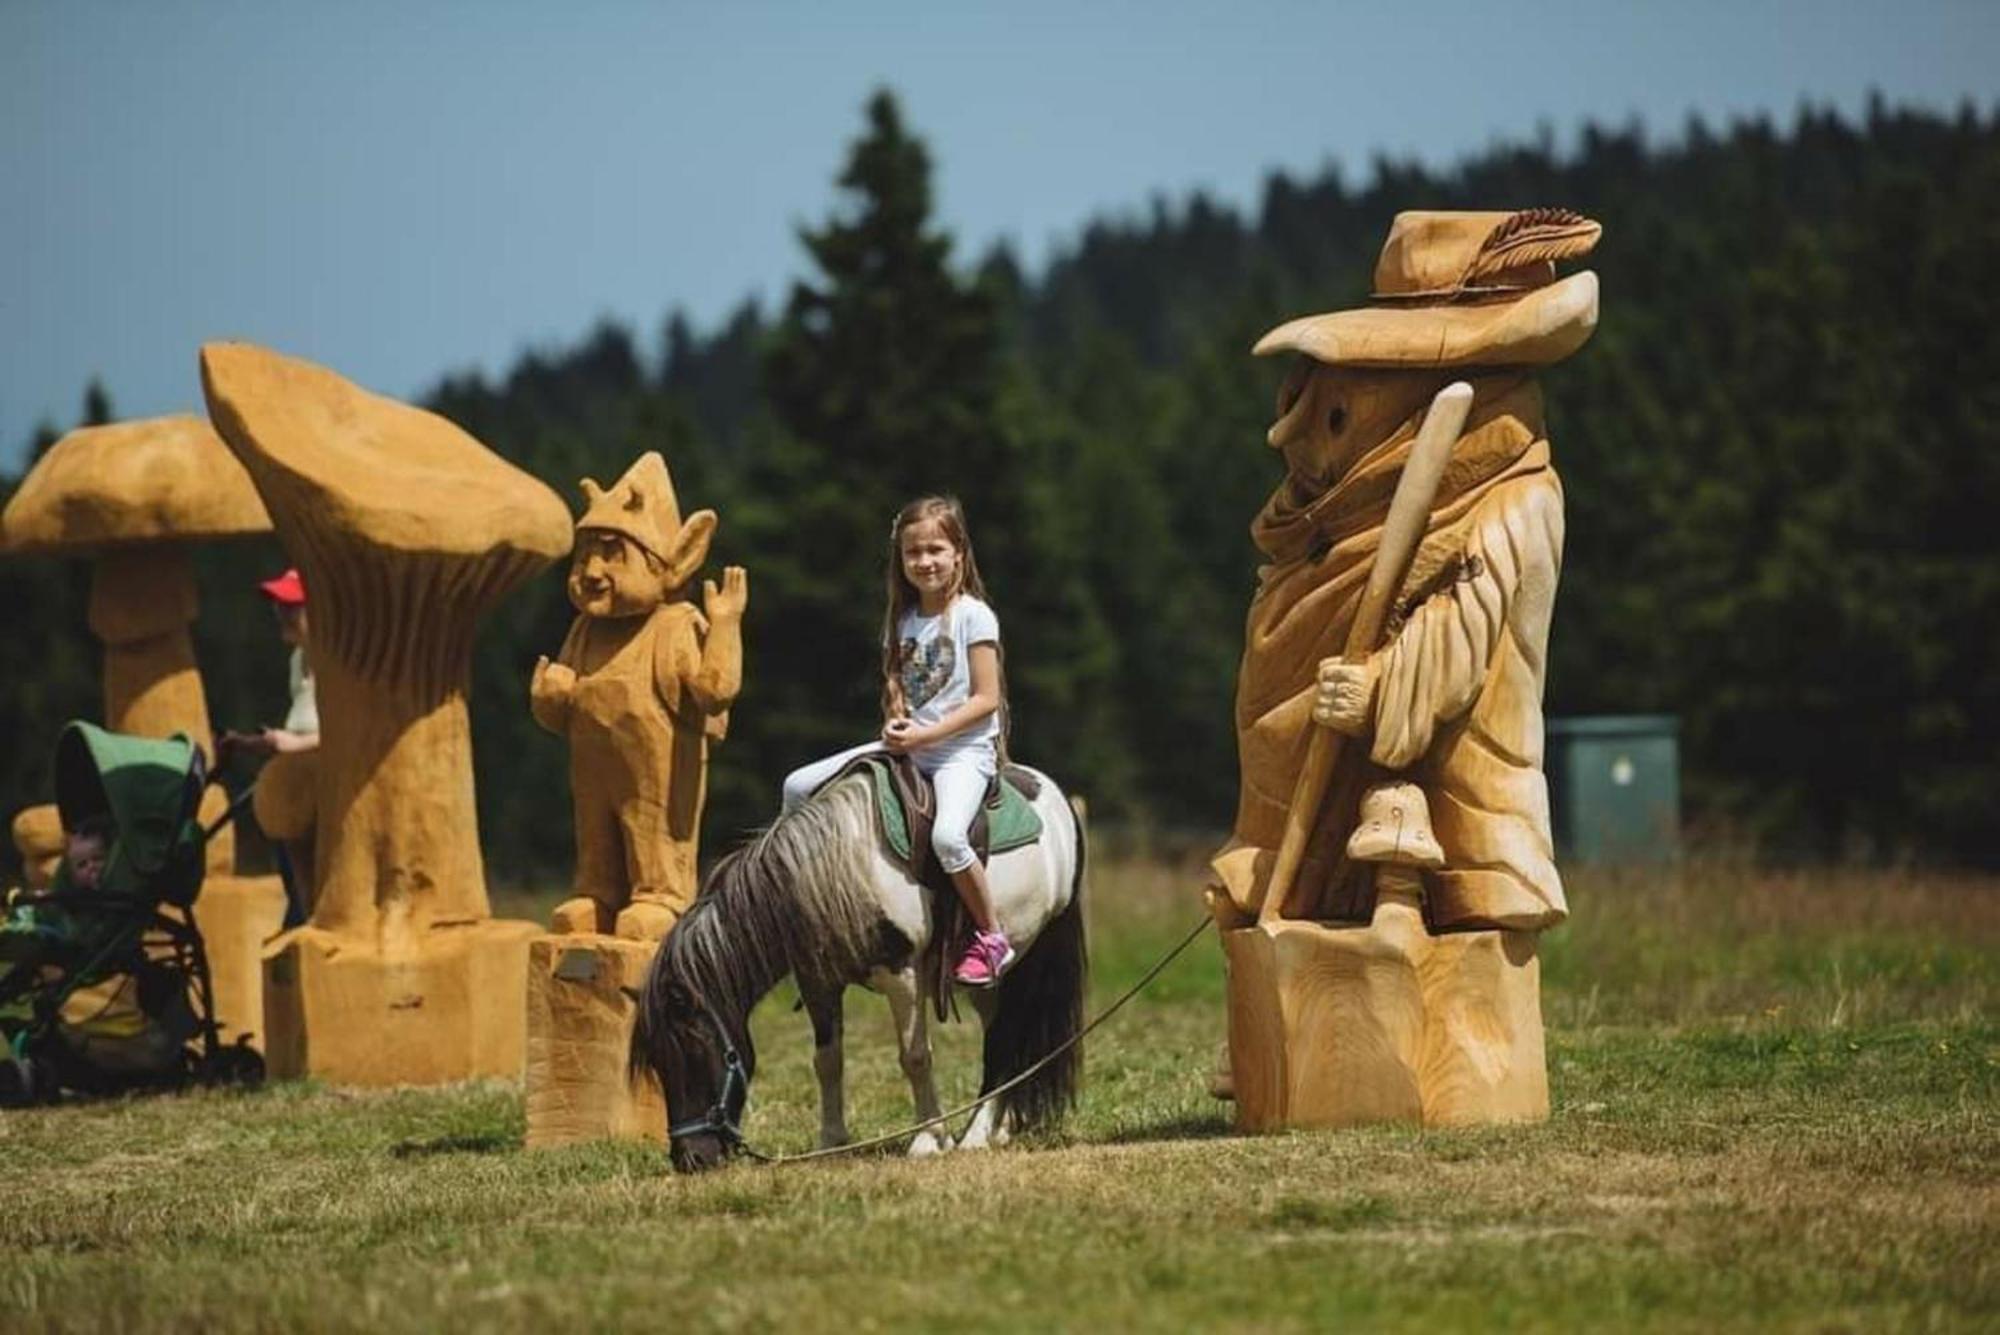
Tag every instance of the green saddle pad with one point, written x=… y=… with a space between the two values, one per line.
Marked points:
x=1013 y=824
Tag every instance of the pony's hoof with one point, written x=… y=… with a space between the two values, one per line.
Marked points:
x=977 y=1139
x=928 y=1145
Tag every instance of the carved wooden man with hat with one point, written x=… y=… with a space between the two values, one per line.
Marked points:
x=1401 y=623
x=643 y=683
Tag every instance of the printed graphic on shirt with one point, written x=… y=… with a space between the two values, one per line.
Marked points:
x=927 y=668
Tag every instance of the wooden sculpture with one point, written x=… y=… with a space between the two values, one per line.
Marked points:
x=136 y=498
x=1391 y=862
x=406 y=530
x=642 y=685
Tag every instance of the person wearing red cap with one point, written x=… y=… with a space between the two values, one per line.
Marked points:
x=298 y=736
x=287 y=593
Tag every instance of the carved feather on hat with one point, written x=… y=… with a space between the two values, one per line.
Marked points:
x=1532 y=236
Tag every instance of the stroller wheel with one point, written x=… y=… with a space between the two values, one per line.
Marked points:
x=237 y=1064
x=18 y=1085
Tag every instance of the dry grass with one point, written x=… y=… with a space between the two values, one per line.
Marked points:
x=1774 y=1109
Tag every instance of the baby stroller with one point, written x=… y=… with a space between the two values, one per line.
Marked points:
x=107 y=989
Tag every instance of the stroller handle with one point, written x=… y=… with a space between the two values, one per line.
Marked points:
x=235 y=808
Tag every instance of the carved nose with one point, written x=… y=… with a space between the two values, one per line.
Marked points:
x=1289 y=426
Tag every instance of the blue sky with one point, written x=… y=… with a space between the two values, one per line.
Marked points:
x=401 y=190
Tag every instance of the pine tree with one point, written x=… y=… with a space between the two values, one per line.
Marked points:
x=883 y=373
x=96 y=404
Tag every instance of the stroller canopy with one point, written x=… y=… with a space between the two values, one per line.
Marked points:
x=151 y=791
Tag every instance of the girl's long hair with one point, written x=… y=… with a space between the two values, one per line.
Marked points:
x=903 y=595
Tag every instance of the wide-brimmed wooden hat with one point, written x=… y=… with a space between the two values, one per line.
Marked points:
x=1462 y=289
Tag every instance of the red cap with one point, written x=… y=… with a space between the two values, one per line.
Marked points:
x=287 y=590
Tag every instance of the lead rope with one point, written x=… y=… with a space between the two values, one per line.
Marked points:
x=874 y=1142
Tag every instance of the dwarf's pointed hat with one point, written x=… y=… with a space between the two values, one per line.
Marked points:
x=1462 y=289
x=640 y=506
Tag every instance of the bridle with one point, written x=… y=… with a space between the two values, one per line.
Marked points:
x=724 y=1117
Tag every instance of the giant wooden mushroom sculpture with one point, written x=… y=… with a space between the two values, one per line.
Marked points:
x=135 y=496
x=406 y=530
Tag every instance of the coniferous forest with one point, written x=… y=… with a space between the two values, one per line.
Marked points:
x=1781 y=454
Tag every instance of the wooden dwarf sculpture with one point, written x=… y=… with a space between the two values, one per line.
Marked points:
x=1433 y=1017
x=642 y=685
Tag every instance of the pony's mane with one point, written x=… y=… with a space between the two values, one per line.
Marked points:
x=793 y=900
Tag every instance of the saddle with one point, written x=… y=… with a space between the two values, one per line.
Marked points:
x=905 y=810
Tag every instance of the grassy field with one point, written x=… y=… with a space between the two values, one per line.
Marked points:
x=1774 y=1109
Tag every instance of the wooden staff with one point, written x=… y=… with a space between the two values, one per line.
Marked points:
x=1409 y=516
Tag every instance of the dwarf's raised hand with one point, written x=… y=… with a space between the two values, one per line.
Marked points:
x=728 y=602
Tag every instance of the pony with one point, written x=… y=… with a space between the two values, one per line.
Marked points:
x=816 y=898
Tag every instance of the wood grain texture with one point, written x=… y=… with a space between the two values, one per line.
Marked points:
x=345 y=1012
x=640 y=689
x=580 y=1018
x=1345 y=1026
x=1408 y=517
x=406 y=530
x=237 y=916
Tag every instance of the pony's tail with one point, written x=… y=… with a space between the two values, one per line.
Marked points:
x=1041 y=1008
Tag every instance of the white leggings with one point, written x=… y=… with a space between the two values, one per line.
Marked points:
x=960 y=781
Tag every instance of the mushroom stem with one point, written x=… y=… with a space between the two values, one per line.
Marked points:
x=141 y=604
x=142 y=601
x=398 y=850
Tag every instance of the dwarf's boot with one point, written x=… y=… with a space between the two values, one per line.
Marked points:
x=647 y=918
x=580 y=915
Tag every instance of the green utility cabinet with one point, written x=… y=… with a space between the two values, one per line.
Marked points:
x=1615 y=787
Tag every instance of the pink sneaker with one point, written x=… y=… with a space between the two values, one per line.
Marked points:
x=985 y=956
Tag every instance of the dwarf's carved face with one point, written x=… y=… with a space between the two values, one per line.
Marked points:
x=612 y=576
x=1328 y=416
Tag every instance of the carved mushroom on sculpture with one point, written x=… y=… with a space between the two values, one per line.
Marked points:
x=135 y=497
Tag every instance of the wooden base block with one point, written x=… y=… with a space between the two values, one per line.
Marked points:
x=451 y=1010
x=579 y=1034
x=1339 y=1026
x=237 y=916
x=1484 y=1059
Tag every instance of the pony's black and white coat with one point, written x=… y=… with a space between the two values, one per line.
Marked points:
x=814 y=897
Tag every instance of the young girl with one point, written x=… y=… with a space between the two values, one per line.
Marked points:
x=940 y=703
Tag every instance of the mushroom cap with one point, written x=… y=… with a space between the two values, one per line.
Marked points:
x=366 y=473
x=159 y=479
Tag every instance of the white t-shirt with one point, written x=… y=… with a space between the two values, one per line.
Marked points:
x=303 y=716
x=936 y=670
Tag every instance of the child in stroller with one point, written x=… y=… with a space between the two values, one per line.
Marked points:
x=104 y=982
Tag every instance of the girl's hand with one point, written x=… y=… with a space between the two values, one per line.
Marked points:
x=902 y=736
x=286 y=743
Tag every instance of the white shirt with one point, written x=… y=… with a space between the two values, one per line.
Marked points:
x=304 y=714
x=935 y=665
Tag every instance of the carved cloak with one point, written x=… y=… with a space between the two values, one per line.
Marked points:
x=1457 y=706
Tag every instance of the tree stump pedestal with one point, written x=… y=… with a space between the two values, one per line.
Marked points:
x=580 y=1020
x=442 y=1008
x=1341 y=1026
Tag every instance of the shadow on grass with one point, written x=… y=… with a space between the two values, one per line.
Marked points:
x=488 y=1142
x=1185 y=1126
